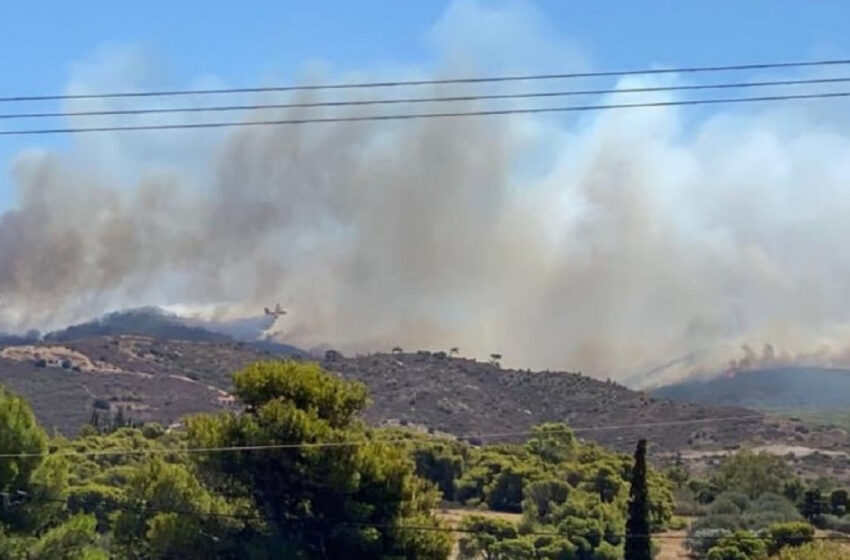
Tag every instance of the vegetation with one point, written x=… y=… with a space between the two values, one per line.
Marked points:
x=638 y=545
x=816 y=551
x=319 y=484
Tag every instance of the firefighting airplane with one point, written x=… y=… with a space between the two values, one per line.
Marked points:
x=276 y=312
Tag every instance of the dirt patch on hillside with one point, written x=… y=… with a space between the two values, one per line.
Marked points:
x=57 y=356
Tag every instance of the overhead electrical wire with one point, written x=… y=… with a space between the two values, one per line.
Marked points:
x=427 y=115
x=412 y=100
x=362 y=442
x=438 y=81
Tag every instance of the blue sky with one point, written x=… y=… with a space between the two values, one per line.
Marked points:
x=246 y=43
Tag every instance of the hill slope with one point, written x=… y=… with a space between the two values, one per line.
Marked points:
x=786 y=388
x=162 y=380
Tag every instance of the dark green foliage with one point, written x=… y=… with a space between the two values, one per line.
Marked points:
x=838 y=502
x=744 y=545
x=835 y=523
x=19 y=433
x=76 y=539
x=324 y=501
x=781 y=535
x=753 y=474
x=442 y=463
x=638 y=543
x=134 y=495
x=482 y=536
x=813 y=506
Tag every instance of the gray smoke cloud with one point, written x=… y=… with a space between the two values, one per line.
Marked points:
x=639 y=245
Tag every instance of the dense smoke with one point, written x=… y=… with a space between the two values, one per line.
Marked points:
x=645 y=244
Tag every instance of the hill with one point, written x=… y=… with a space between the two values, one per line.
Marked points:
x=163 y=379
x=158 y=324
x=810 y=392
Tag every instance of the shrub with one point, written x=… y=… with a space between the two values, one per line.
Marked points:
x=835 y=523
x=153 y=430
x=699 y=542
x=722 y=506
x=726 y=553
x=815 y=551
x=742 y=544
x=793 y=533
x=101 y=404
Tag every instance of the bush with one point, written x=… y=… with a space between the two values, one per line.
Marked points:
x=678 y=523
x=835 y=523
x=101 y=404
x=742 y=544
x=153 y=430
x=724 y=521
x=726 y=553
x=794 y=533
x=815 y=551
x=699 y=542
x=722 y=506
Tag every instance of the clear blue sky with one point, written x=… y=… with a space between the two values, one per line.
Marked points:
x=243 y=43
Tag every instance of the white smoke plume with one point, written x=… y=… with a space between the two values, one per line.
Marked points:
x=640 y=245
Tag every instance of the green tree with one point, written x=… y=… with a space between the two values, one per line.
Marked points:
x=327 y=500
x=726 y=553
x=838 y=502
x=76 y=539
x=753 y=474
x=167 y=513
x=552 y=442
x=441 y=463
x=481 y=537
x=741 y=544
x=813 y=506
x=638 y=543
x=795 y=533
x=19 y=433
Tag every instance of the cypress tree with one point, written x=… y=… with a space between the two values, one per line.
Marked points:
x=638 y=544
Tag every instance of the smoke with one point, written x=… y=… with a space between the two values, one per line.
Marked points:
x=640 y=245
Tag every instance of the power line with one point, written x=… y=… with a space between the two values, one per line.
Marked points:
x=410 y=100
x=443 y=81
x=411 y=116
x=361 y=442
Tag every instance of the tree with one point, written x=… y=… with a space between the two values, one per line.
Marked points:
x=441 y=463
x=638 y=543
x=813 y=506
x=795 y=533
x=481 y=536
x=552 y=442
x=167 y=513
x=754 y=474
x=73 y=540
x=19 y=433
x=838 y=502
x=325 y=501
x=741 y=544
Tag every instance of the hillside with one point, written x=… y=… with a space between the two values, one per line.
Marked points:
x=805 y=391
x=163 y=379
